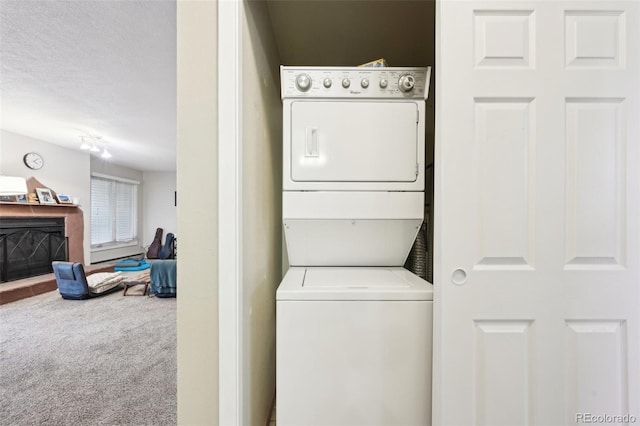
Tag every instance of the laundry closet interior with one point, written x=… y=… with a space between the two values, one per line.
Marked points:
x=532 y=271
x=334 y=33
x=305 y=33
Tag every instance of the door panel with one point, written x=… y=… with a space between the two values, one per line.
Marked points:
x=537 y=212
x=503 y=167
x=504 y=38
x=503 y=386
x=378 y=142
x=596 y=390
x=595 y=38
x=595 y=185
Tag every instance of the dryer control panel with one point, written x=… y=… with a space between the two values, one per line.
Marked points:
x=355 y=82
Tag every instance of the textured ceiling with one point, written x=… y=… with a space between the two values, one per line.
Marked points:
x=108 y=68
x=101 y=68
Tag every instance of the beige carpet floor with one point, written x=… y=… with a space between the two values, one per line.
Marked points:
x=105 y=361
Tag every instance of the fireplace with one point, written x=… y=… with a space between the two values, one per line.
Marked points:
x=28 y=245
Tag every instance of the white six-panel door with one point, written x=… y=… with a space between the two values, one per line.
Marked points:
x=537 y=212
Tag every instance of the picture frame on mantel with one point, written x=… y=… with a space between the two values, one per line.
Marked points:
x=64 y=199
x=45 y=196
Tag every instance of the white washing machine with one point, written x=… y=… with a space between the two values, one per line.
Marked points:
x=354 y=328
x=353 y=347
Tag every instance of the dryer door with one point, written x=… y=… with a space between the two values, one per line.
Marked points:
x=333 y=141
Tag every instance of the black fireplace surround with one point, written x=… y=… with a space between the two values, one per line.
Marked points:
x=28 y=245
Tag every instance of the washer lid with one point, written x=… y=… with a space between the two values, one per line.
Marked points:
x=358 y=278
x=353 y=283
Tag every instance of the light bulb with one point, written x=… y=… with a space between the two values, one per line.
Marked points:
x=85 y=146
x=105 y=154
x=94 y=148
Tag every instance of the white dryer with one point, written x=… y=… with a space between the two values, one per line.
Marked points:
x=354 y=329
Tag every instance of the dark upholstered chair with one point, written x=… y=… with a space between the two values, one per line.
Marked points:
x=73 y=284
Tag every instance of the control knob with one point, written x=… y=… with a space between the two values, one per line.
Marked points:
x=346 y=83
x=364 y=83
x=303 y=82
x=406 y=82
x=383 y=83
x=327 y=83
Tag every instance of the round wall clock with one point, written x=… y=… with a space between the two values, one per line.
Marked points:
x=33 y=161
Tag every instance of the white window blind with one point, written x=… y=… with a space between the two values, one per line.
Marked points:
x=114 y=212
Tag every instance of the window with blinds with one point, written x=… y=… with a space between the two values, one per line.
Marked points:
x=114 y=211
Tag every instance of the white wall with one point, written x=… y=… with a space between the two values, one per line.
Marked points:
x=106 y=167
x=65 y=171
x=197 y=213
x=262 y=209
x=159 y=207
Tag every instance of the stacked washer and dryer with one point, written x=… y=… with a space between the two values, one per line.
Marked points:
x=354 y=328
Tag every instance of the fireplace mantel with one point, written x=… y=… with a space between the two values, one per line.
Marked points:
x=73 y=216
x=38 y=206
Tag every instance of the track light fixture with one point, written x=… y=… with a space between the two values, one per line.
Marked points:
x=94 y=144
